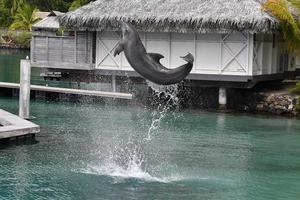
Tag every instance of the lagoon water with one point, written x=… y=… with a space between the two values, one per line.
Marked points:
x=94 y=151
x=104 y=151
x=10 y=64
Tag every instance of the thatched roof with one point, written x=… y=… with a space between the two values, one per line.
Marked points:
x=173 y=15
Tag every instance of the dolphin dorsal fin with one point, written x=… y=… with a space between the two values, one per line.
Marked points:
x=156 y=56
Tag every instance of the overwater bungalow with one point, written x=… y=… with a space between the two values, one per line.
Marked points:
x=234 y=41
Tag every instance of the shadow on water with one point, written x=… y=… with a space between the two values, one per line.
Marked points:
x=14 y=142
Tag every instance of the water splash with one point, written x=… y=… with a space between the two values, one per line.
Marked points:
x=135 y=172
x=128 y=157
x=169 y=93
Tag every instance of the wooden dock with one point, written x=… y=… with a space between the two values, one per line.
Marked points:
x=14 y=126
x=25 y=87
x=70 y=91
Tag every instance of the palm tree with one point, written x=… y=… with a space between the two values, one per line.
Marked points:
x=15 y=5
x=78 y=3
x=290 y=25
x=296 y=4
x=24 y=18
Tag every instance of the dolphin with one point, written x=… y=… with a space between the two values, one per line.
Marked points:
x=148 y=64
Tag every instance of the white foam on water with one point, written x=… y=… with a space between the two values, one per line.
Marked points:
x=135 y=172
x=113 y=170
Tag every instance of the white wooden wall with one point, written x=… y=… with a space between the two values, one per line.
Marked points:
x=226 y=54
x=269 y=55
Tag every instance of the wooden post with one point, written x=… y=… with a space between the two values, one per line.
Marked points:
x=75 y=47
x=113 y=83
x=222 y=98
x=24 y=95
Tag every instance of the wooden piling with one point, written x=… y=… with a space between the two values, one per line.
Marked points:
x=114 y=83
x=222 y=98
x=24 y=93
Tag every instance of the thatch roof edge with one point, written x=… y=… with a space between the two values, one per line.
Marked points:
x=266 y=26
x=89 y=17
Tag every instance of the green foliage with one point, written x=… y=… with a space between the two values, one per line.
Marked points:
x=59 y=5
x=60 y=31
x=296 y=4
x=24 y=18
x=298 y=104
x=10 y=10
x=5 y=17
x=16 y=4
x=16 y=38
x=289 y=24
x=13 y=5
x=296 y=89
x=78 y=3
x=23 y=39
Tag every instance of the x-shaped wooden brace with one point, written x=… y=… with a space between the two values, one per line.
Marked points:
x=109 y=52
x=255 y=54
x=234 y=55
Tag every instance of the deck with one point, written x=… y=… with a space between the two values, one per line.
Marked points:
x=70 y=91
x=14 y=126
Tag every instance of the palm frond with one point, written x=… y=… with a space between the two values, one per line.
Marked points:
x=296 y=4
x=25 y=17
x=290 y=26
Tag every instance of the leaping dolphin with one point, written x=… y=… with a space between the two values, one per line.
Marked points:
x=147 y=64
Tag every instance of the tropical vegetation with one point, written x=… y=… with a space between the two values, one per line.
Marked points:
x=296 y=89
x=78 y=3
x=22 y=14
x=5 y=15
x=24 y=18
x=288 y=13
x=14 y=11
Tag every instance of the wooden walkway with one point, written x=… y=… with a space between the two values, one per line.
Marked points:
x=14 y=126
x=70 y=91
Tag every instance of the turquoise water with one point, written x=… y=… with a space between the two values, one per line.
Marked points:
x=10 y=66
x=92 y=151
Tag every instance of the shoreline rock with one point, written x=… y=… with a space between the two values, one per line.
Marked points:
x=280 y=104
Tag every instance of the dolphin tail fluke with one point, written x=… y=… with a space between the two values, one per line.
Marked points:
x=188 y=58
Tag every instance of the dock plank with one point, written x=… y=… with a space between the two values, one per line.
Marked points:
x=70 y=91
x=14 y=126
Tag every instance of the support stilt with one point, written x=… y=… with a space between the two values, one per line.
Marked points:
x=222 y=98
x=113 y=83
x=24 y=94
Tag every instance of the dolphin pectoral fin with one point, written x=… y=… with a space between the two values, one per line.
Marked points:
x=119 y=49
x=156 y=56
